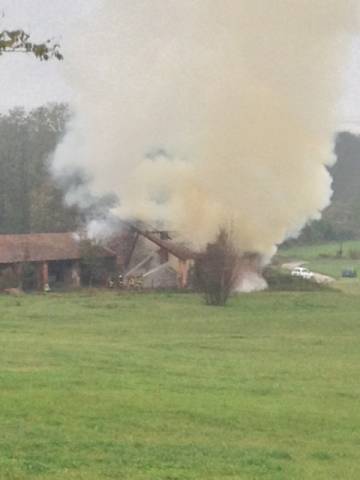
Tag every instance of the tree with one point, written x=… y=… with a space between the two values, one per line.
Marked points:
x=217 y=270
x=17 y=41
x=30 y=199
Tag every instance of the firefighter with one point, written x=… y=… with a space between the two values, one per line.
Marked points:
x=131 y=282
x=138 y=282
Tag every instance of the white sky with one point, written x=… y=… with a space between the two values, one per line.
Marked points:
x=26 y=81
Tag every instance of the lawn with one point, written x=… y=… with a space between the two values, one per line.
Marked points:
x=322 y=257
x=161 y=387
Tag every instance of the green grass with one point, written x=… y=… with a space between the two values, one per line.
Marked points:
x=309 y=252
x=161 y=387
x=313 y=257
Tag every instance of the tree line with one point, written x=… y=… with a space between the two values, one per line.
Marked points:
x=30 y=199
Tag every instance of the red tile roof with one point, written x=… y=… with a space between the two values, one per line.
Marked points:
x=41 y=247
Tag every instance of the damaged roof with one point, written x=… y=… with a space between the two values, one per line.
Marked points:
x=177 y=249
x=40 y=247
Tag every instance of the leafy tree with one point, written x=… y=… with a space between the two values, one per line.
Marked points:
x=17 y=41
x=30 y=200
x=48 y=212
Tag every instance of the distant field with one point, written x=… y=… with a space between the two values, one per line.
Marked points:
x=161 y=387
x=309 y=252
x=313 y=255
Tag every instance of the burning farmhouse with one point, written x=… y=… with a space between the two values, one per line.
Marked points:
x=153 y=256
x=40 y=261
x=161 y=261
x=139 y=256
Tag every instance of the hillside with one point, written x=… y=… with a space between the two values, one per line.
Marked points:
x=345 y=207
x=341 y=220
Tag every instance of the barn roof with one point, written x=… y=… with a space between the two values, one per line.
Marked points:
x=40 y=247
x=175 y=248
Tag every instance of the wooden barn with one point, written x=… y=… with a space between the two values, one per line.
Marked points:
x=44 y=259
x=150 y=254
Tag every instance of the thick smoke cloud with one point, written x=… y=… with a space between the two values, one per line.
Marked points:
x=203 y=113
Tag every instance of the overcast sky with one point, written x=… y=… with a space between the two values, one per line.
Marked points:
x=25 y=81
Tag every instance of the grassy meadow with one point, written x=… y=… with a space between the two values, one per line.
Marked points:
x=323 y=258
x=161 y=387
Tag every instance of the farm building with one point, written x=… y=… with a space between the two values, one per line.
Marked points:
x=153 y=256
x=45 y=258
x=163 y=262
x=56 y=259
x=141 y=256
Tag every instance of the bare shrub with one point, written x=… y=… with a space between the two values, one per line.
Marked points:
x=217 y=269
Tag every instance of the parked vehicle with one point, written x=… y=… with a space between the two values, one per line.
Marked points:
x=349 y=272
x=302 y=272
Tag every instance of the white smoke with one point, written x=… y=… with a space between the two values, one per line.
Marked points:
x=251 y=282
x=199 y=113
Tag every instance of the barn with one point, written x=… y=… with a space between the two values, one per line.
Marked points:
x=152 y=255
x=44 y=259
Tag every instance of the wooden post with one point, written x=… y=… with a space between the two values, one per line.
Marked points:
x=44 y=274
x=183 y=273
x=75 y=274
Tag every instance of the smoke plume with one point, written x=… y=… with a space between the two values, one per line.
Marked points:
x=204 y=113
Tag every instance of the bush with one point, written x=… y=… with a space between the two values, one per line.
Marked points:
x=283 y=281
x=217 y=269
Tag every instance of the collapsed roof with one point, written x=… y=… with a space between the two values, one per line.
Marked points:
x=177 y=249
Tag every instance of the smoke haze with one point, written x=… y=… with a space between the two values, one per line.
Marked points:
x=203 y=113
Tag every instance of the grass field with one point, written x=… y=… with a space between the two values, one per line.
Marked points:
x=313 y=255
x=308 y=252
x=160 y=387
